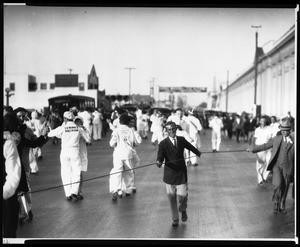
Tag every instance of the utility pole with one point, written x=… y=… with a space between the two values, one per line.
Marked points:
x=227 y=91
x=152 y=87
x=255 y=63
x=129 y=82
x=70 y=71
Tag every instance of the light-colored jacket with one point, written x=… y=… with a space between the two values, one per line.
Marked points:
x=70 y=135
x=12 y=168
x=216 y=124
x=124 y=139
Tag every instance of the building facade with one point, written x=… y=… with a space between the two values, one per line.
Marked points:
x=33 y=92
x=276 y=82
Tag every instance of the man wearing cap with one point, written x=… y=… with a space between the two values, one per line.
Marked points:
x=282 y=163
x=70 y=135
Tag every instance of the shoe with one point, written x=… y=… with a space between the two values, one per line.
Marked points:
x=260 y=184
x=214 y=150
x=80 y=196
x=195 y=164
x=189 y=163
x=127 y=194
x=276 y=208
x=30 y=215
x=115 y=196
x=175 y=222
x=75 y=196
x=120 y=194
x=133 y=190
x=283 y=210
x=69 y=198
x=184 y=216
x=40 y=158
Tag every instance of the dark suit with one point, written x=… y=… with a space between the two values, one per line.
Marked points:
x=282 y=163
x=175 y=171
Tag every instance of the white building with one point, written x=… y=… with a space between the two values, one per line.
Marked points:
x=276 y=82
x=33 y=92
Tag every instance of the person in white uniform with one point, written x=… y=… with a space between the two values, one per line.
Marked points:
x=97 y=125
x=70 y=156
x=131 y=186
x=216 y=124
x=123 y=139
x=157 y=127
x=83 y=153
x=195 y=128
x=262 y=135
x=274 y=126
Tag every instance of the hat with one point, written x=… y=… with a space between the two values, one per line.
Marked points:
x=69 y=115
x=285 y=125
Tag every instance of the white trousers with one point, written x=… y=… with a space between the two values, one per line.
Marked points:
x=70 y=172
x=97 y=130
x=118 y=175
x=157 y=136
x=216 y=140
x=261 y=165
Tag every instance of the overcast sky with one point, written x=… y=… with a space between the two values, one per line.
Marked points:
x=176 y=46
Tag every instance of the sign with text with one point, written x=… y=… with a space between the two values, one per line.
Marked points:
x=183 y=89
x=66 y=80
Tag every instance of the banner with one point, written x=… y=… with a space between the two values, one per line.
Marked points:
x=183 y=89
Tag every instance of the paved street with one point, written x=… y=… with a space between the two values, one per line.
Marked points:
x=224 y=200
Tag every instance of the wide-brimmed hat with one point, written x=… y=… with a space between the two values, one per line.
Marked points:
x=285 y=125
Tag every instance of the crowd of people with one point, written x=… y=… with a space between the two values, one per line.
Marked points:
x=176 y=136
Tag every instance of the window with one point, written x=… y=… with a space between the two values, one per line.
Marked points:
x=12 y=86
x=32 y=86
x=52 y=85
x=81 y=86
x=43 y=86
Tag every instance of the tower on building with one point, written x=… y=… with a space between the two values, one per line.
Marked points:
x=93 y=80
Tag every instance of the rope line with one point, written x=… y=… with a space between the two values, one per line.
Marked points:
x=138 y=167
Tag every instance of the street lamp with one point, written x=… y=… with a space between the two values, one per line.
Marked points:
x=8 y=94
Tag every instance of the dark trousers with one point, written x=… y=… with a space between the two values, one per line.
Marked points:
x=10 y=217
x=229 y=131
x=281 y=183
x=238 y=132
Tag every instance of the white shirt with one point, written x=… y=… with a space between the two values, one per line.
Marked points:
x=173 y=140
x=70 y=135
x=12 y=169
x=274 y=128
x=97 y=117
x=194 y=125
x=216 y=124
x=124 y=139
x=262 y=135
